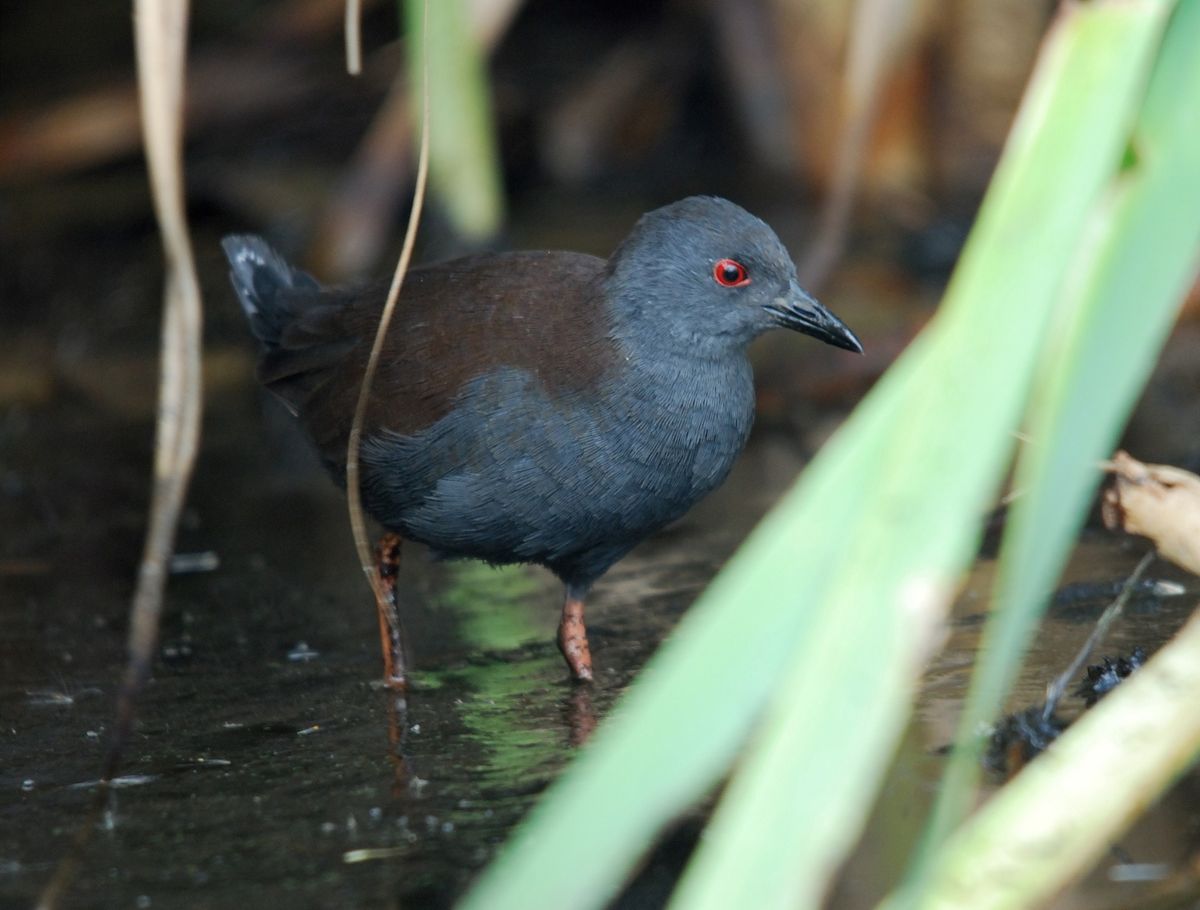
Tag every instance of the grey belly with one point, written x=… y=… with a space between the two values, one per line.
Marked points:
x=509 y=476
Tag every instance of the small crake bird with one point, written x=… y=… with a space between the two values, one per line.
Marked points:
x=541 y=407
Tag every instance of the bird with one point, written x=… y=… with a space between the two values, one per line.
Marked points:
x=543 y=407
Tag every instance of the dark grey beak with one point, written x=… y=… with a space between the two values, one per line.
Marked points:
x=801 y=313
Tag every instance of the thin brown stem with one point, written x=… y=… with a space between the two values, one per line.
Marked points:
x=353 y=493
x=1055 y=691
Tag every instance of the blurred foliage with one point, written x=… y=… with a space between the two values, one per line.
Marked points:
x=464 y=162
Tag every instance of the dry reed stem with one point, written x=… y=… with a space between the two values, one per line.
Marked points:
x=353 y=492
x=160 y=31
x=353 y=37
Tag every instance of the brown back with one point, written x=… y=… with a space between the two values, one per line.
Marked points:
x=541 y=312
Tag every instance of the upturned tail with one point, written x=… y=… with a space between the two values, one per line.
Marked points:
x=298 y=323
x=264 y=282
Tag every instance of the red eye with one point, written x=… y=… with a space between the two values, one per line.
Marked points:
x=730 y=273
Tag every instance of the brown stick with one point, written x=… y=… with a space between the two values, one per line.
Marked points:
x=353 y=493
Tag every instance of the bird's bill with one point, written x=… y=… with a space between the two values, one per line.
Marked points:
x=801 y=313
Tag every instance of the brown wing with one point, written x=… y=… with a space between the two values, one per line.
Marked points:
x=540 y=312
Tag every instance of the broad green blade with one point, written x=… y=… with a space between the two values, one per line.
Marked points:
x=797 y=803
x=832 y=599
x=1139 y=255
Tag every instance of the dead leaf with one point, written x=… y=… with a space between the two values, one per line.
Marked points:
x=1156 y=501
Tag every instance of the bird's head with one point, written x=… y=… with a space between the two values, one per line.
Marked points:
x=704 y=272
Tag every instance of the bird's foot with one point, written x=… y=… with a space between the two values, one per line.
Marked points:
x=572 y=640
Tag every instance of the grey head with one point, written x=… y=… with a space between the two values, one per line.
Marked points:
x=705 y=276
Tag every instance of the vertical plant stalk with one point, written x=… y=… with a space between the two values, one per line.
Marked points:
x=353 y=492
x=880 y=30
x=464 y=159
x=354 y=37
x=160 y=33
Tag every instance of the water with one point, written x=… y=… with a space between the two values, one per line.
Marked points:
x=266 y=761
x=267 y=765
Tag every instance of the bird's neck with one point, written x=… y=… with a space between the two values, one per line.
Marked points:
x=711 y=388
x=667 y=372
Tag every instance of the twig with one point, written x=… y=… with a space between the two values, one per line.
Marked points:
x=1054 y=692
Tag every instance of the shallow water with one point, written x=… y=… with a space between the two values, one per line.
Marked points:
x=267 y=765
x=266 y=761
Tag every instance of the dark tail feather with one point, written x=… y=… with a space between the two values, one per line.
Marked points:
x=261 y=278
x=298 y=323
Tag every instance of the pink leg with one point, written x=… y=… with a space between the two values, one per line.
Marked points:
x=572 y=639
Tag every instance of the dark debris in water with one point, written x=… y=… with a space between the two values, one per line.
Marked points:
x=1102 y=678
x=1020 y=737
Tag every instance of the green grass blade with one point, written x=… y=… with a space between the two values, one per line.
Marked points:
x=1138 y=258
x=463 y=161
